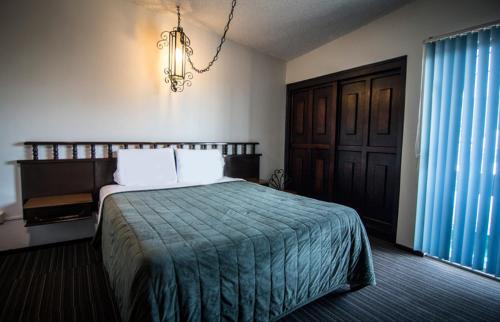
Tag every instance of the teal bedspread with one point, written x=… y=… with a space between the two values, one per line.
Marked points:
x=228 y=251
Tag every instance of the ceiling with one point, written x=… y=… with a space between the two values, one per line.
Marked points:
x=284 y=29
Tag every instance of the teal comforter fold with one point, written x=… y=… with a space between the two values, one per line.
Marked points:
x=234 y=251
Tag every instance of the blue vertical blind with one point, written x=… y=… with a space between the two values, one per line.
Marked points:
x=458 y=205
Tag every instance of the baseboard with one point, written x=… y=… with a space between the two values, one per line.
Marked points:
x=409 y=250
x=465 y=268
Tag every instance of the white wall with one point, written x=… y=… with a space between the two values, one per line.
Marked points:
x=398 y=33
x=90 y=70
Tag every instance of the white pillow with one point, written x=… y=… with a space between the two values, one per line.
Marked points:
x=199 y=166
x=145 y=167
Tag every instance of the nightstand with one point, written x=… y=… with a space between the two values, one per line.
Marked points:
x=44 y=210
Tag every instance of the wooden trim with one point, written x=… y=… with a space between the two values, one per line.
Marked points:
x=333 y=140
x=399 y=153
x=133 y=143
x=409 y=250
x=310 y=146
x=237 y=148
x=105 y=159
x=41 y=161
x=383 y=66
x=367 y=149
x=287 y=132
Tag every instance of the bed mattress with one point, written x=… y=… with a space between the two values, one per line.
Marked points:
x=232 y=251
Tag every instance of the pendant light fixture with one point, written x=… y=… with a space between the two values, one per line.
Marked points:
x=180 y=52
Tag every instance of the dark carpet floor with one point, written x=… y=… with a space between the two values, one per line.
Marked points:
x=68 y=283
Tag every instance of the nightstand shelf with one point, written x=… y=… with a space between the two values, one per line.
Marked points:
x=59 y=208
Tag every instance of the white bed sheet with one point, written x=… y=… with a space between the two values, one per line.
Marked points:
x=115 y=188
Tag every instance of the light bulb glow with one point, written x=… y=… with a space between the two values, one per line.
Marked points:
x=178 y=54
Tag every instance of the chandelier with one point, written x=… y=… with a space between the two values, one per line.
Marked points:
x=180 y=51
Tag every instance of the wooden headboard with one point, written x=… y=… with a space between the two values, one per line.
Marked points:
x=76 y=167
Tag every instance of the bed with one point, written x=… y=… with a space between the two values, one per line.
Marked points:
x=231 y=250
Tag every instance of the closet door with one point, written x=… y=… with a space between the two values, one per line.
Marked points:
x=382 y=158
x=368 y=150
x=344 y=137
x=349 y=169
x=322 y=142
x=311 y=125
x=299 y=160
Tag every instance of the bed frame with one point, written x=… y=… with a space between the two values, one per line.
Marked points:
x=76 y=168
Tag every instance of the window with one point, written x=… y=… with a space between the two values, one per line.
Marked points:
x=458 y=205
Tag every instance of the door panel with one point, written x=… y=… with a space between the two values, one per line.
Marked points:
x=380 y=191
x=300 y=110
x=348 y=178
x=351 y=113
x=322 y=115
x=385 y=111
x=299 y=163
x=321 y=174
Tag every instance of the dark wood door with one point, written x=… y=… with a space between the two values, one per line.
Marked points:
x=368 y=150
x=343 y=140
x=311 y=141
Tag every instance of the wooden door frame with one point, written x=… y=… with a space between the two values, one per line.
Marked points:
x=398 y=63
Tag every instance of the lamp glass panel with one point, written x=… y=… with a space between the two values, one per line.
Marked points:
x=177 y=54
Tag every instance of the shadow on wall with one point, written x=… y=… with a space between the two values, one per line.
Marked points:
x=15 y=210
x=263 y=126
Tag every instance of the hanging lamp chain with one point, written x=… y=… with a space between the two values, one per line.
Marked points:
x=178 y=16
x=219 y=48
